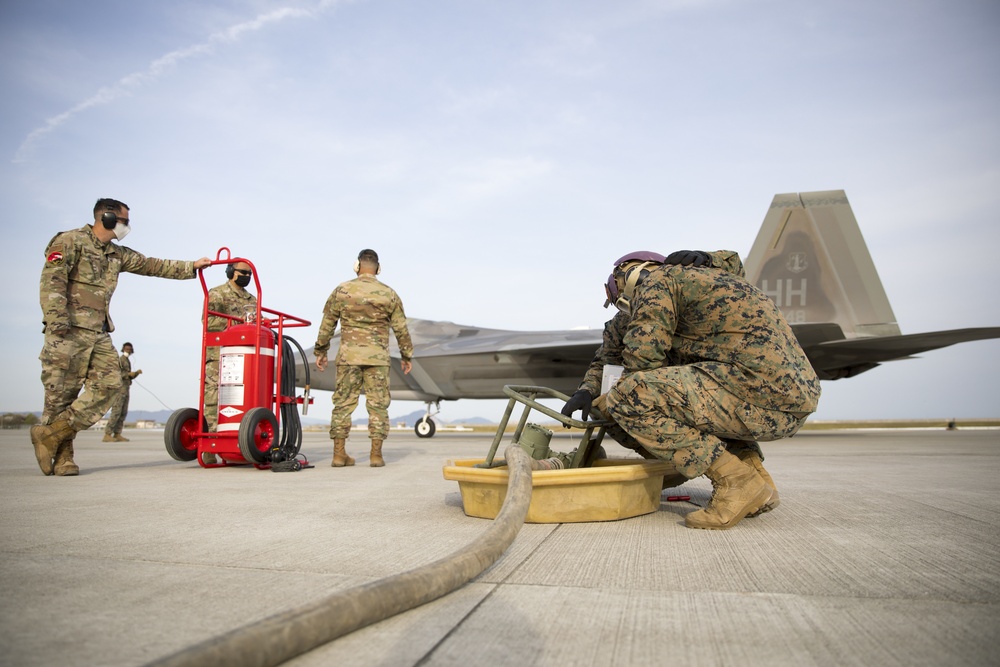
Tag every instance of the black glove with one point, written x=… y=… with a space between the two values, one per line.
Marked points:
x=689 y=258
x=581 y=400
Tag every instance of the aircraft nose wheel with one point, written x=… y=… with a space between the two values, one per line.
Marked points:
x=425 y=427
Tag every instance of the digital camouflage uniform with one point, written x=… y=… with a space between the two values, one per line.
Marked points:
x=228 y=299
x=78 y=280
x=610 y=353
x=366 y=310
x=708 y=357
x=119 y=407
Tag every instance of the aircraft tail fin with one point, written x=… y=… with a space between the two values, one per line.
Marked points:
x=811 y=259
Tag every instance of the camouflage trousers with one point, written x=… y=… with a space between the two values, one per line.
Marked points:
x=119 y=408
x=80 y=360
x=599 y=409
x=351 y=380
x=212 y=390
x=682 y=415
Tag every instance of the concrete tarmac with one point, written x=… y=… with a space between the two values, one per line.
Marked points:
x=885 y=550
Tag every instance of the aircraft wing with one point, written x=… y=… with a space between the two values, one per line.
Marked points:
x=844 y=358
x=452 y=361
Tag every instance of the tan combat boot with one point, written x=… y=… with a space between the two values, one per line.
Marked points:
x=108 y=438
x=340 y=457
x=737 y=490
x=120 y=438
x=751 y=458
x=376 y=457
x=46 y=439
x=65 y=466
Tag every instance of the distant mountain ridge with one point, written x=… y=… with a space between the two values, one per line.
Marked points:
x=161 y=416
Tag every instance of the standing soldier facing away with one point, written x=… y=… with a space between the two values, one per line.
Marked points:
x=119 y=409
x=78 y=279
x=366 y=310
x=229 y=298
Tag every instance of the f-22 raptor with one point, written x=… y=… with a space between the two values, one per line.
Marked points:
x=809 y=257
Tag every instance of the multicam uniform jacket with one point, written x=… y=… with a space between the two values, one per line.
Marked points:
x=231 y=300
x=81 y=273
x=366 y=310
x=125 y=364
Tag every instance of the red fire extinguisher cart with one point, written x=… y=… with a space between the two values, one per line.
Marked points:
x=257 y=409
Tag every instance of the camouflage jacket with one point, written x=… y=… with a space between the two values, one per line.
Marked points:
x=366 y=310
x=125 y=364
x=229 y=299
x=610 y=351
x=726 y=327
x=81 y=273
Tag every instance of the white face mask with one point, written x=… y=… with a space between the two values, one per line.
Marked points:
x=121 y=231
x=125 y=354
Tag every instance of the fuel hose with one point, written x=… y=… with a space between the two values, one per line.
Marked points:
x=276 y=639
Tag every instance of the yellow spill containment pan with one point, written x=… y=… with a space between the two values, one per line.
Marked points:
x=612 y=489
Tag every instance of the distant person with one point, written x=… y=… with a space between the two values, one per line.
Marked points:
x=708 y=359
x=366 y=310
x=78 y=279
x=229 y=298
x=119 y=409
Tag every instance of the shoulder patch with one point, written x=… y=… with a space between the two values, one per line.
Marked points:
x=54 y=257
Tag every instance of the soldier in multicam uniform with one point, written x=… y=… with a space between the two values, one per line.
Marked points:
x=78 y=279
x=710 y=365
x=366 y=310
x=229 y=298
x=119 y=409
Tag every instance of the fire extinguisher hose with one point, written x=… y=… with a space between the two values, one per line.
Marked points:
x=283 y=636
x=291 y=435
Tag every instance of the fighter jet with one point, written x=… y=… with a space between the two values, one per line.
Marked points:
x=809 y=257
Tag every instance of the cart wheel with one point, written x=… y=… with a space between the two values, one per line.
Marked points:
x=258 y=433
x=425 y=428
x=179 y=437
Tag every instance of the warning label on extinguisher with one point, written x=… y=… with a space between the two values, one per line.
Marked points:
x=231 y=379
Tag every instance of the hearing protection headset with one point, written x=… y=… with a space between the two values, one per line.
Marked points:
x=230 y=271
x=627 y=273
x=109 y=218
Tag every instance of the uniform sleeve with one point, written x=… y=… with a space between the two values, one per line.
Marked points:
x=135 y=262
x=123 y=367
x=728 y=260
x=327 y=327
x=216 y=303
x=397 y=320
x=654 y=320
x=60 y=257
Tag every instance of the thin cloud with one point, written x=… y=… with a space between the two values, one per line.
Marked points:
x=127 y=83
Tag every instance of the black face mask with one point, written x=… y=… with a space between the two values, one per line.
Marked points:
x=242 y=280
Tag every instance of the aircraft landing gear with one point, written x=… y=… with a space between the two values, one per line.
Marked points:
x=426 y=427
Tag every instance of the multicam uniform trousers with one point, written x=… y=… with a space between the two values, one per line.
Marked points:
x=80 y=359
x=351 y=380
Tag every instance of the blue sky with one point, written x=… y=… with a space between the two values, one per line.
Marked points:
x=499 y=156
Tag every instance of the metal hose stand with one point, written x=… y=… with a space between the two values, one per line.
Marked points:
x=281 y=637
